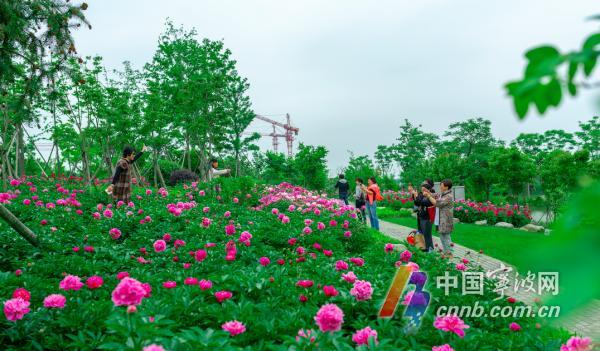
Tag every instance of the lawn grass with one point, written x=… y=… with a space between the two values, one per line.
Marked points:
x=512 y=246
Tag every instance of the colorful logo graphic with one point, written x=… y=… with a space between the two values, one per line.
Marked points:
x=418 y=301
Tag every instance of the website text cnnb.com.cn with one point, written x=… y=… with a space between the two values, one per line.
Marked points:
x=516 y=311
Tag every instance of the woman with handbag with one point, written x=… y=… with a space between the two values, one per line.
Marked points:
x=359 y=199
x=424 y=214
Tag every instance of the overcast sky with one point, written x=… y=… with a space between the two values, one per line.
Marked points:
x=348 y=72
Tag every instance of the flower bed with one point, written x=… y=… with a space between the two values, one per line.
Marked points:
x=468 y=211
x=181 y=269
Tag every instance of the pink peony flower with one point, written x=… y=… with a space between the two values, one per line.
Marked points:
x=341 y=265
x=122 y=275
x=451 y=324
x=94 y=282
x=234 y=328
x=444 y=347
x=362 y=336
x=350 y=277
x=388 y=247
x=108 y=213
x=205 y=284
x=415 y=267
x=167 y=237
x=223 y=295
x=405 y=256
x=154 y=347
x=15 y=309
x=357 y=261
x=230 y=229
x=55 y=301
x=70 y=282
x=264 y=261
x=129 y=292
x=514 y=326
x=576 y=343
x=460 y=267
x=407 y=298
x=21 y=293
x=362 y=290
x=306 y=334
x=115 y=233
x=160 y=245
x=327 y=253
x=329 y=318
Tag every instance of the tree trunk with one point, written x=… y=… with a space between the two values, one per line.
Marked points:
x=18 y=226
x=20 y=152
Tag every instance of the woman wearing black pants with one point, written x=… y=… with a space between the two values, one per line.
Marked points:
x=425 y=225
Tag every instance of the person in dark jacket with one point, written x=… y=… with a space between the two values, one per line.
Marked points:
x=425 y=224
x=343 y=188
x=120 y=187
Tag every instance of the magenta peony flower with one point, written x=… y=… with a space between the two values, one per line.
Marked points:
x=576 y=343
x=405 y=256
x=362 y=290
x=108 y=213
x=169 y=284
x=115 y=233
x=460 y=267
x=514 y=326
x=70 y=282
x=94 y=282
x=167 y=237
x=327 y=253
x=128 y=292
x=320 y=225
x=160 y=245
x=451 y=324
x=21 y=293
x=178 y=243
x=122 y=275
x=444 y=347
x=223 y=295
x=357 y=261
x=347 y=233
x=341 y=265
x=200 y=255
x=230 y=229
x=234 y=328
x=329 y=318
x=154 y=347
x=330 y=290
x=304 y=283
x=264 y=261
x=205 y=284
x=362 y=336
x=15 y=309
x=55 y=301
x=388 y=247
x=190 y=281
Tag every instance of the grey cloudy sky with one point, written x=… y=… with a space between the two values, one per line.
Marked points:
x=349 y=72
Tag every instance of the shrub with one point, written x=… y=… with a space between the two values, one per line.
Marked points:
x=182 y=176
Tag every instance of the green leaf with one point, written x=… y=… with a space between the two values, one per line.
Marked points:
x=541 y=53
x=554 y=92
x=521 y=106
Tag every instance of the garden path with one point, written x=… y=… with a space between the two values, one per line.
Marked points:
x=585 y=322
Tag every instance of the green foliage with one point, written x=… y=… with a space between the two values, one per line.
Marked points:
x=310 y=164
x=550 y=74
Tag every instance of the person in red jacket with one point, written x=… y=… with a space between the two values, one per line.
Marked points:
x=373 y=195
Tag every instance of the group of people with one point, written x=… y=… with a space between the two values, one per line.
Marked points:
x=365 y=197
x=432 y=209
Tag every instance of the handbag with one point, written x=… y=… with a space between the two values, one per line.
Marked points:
x=431 y=213
x=420 y=241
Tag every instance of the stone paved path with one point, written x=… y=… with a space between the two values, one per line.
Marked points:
x=585 y=322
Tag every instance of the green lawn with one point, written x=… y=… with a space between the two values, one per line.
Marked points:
x=512 y=246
